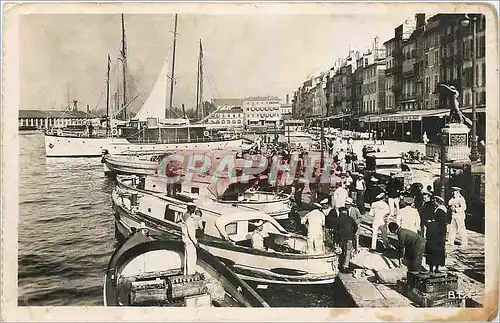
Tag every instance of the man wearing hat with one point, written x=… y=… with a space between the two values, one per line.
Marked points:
x=339 y=197
x=379 y=211
x=435 y=250
x=189 y=224
x=360 y=186
x=354 y=213
x=258 y=235
x=393 y=193
x=426 y=211
x=315 y=227
x=408 y=215
x=457 y=206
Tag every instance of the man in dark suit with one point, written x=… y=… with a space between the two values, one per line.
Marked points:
x=411 y=247
x=346 y=229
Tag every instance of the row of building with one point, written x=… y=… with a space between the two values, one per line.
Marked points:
x=265 y=111
x=395 y=85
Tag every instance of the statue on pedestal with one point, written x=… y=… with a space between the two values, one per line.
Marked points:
x=456 y=115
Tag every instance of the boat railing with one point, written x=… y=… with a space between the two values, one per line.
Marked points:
x=174 y=140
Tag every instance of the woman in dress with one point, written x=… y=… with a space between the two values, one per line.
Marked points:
x=435 y=249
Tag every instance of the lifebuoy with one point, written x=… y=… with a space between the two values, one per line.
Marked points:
x=206 y=133
x=114 y=132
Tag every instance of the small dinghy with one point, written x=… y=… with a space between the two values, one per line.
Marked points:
x=146 y=271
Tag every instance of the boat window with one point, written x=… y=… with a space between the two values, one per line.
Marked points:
x=231 y=228
x=195 y=190
x=169 y=214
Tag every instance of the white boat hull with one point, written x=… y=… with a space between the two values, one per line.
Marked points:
x=121 y=148
x=61 y=146
x=126 y=165
x=270 y=267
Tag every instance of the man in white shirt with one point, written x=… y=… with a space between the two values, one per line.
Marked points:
x=315 y=228
x=458 y=206
x=408 y=215
x=379 y=211
x=258 y=236
x=340 y=195
x=189 y=224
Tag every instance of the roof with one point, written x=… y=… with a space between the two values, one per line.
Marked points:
x=262 y=98
x=236 y=110
x=54 y=114
x=230 y=102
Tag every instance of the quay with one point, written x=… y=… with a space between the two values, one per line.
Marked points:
x=370 y=291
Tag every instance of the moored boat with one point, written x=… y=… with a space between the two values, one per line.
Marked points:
x=227 y=235
x=148 y=271
x=151 y=129
x=225 y=191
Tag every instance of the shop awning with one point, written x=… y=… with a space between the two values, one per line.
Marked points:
x=415 y=115
x=370 y=118
x=478 y=110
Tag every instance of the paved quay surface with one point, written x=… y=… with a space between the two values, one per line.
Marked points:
x=468 y=265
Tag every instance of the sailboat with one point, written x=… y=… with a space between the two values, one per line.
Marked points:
x=152 y=129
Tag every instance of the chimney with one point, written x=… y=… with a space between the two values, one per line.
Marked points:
x=75 y=105
x=88 y=109
x=420 y=18
x=287 y=99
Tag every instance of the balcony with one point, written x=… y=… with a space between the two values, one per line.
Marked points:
x=396 y=88
x=447 y=38
x=391 y=70
x=408 y=73
x=409 y=96
x=448 y=60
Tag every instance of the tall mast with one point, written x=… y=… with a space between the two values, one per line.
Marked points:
x=167 y=113
x=201 y=82
x=107 y=96
x=124 y=65
x=198 y=87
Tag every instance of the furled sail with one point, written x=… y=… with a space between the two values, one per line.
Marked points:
x=155 y=104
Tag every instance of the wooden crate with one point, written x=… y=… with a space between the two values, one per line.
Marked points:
x=186 y=285
x=432 y=282
x=148 y=292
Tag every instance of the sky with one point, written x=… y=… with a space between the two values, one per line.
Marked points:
x=63 y=56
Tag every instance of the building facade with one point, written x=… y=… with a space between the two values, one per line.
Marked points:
x=401 y=91
x=230 y=118
x=262 y=111
x=45 y=119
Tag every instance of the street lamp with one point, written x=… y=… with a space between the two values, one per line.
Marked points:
x=474 y=153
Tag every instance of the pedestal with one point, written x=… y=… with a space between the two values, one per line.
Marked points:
x=456 y=142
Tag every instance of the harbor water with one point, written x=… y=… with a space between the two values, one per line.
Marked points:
x=66 y=235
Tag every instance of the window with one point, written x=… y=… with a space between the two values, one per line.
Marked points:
x=426 y=60
x=427 y=85
x=483 y=73
x=436 y=56
x=436 y=82
x=231 y=228
x=467 y=100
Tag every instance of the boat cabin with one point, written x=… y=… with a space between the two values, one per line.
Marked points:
x=382 y=160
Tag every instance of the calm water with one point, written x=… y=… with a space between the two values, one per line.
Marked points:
x=66 y=235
